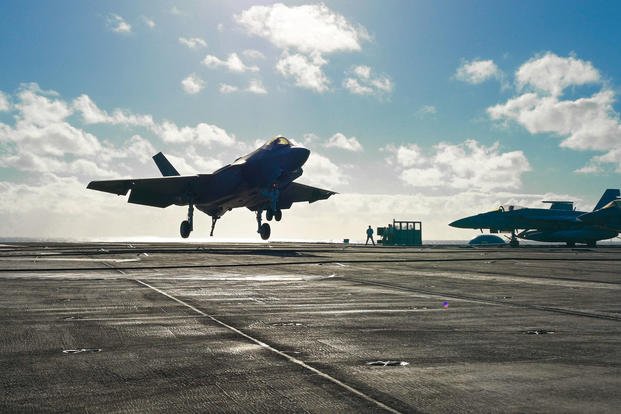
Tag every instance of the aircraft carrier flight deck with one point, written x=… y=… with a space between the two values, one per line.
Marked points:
x=314 y=328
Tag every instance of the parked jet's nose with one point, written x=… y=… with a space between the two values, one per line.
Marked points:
x=471 y=222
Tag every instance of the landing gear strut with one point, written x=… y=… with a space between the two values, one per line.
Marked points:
x=513 y=242
x=263 y=229
x=187 y=225
x=213 y=224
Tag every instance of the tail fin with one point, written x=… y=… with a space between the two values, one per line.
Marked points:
x=164 y=165
x=607 y=197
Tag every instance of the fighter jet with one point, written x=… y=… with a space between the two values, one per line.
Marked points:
x=261 y=181
x=560 y=223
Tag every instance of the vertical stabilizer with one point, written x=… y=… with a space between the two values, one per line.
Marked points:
x=607 y=197
x=164 y=165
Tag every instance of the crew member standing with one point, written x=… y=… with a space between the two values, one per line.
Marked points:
x=370 y=236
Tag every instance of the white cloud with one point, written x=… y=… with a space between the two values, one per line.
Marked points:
x=407 y=155
x=306 y=72
x=426 y=111
x=117 y=24
x=339 y=140
x=466 y=166
x=150 y=23
x=552 y=74
x=203 y=134
x=91 y=114
x=362 y=82
x=256 y=86
x=477 y=71
x=226 y=88
x=310 y=29
x=584 y=123
x=193 y=42
x=42 y=139
x=5 y=104
x=253 y=54
x=233 y=63
x=193 y=84
x=355 y=87
x=174 y=10
x=305 y=34
x=39 y=107
x=319 y=170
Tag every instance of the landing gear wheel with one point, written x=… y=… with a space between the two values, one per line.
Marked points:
x=592 y=244
x=185 y=229
x=265 y=231
x=278 y=215
x=571 y=244
x=269 y=214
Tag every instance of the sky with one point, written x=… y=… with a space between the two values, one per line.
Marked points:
x=417 y=110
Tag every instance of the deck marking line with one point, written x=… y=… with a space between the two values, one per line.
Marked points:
x=276 y=351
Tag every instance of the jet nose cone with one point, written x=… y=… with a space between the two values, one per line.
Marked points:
x=461 y=223
x=300 y=155
x=471 y=222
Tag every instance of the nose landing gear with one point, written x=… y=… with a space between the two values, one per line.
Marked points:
x=513 y=242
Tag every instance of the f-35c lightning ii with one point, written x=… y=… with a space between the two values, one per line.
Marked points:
x=261 y=181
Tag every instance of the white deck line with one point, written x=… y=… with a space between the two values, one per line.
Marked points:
x=276 y=351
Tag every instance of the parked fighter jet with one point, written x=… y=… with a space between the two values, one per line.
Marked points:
x=560 y=223
x=260 y=181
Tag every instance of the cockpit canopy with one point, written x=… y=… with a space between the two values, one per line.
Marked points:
x=278 y=141
x=509 y=207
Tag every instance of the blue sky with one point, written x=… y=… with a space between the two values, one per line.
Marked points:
x=421 y=110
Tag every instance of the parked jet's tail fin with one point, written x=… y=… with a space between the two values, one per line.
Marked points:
x=607 y=197
x=164 y=165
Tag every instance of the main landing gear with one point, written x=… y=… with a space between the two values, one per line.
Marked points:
x=263 y=229
x=273 y=214
x=188 y=225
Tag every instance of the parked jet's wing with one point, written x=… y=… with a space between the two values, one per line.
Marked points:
x=156 y=192
x=295 y=193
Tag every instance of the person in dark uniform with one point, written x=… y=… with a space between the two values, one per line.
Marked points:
x=370 y=236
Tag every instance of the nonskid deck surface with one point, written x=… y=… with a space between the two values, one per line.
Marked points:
x=284 y=327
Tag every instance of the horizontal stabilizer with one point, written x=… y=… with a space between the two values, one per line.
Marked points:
x=165 y=167
x=156 y=192
x=119 y=187
x=296 y=192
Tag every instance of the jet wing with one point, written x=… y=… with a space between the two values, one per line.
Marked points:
x=156 y=192
x=295 y=193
